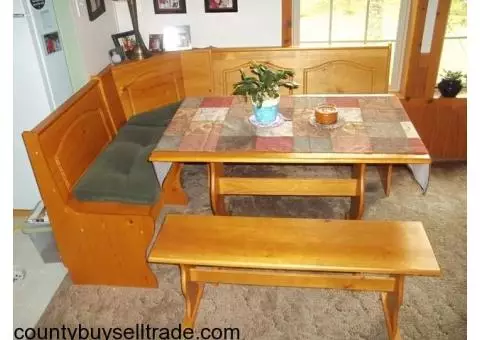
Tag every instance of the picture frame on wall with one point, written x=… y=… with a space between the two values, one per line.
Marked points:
x=219 y=6
x=156 y=43
x=169 y=6
x=95 y=8
x=177 y=38
x=52 y=42
x=126 y=41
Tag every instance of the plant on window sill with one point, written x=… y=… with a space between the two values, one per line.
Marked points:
x=451 y=83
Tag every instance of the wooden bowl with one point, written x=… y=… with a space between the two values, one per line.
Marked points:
x=326 y=114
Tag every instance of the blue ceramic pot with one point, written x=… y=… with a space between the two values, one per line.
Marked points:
x=268 y=112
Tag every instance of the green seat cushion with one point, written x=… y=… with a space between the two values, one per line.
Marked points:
x=121 y=173
x=141 y=135
x=158 y=117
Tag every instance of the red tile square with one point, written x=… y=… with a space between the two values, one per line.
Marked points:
x=277 y=144
x=217 y=102
x=343 y=101
x=355 y=144
x=193 y=143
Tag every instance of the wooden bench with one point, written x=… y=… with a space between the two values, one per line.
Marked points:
x=356 y=255
x=101 y=241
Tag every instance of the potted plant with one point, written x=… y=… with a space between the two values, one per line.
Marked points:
x=263 y=89
x=451 y=83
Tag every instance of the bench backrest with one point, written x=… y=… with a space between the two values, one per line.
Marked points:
x=169 y=77
x=375 y=247
x=65 y=143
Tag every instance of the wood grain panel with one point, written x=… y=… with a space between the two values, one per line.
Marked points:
x=93 y=135
x=151 y=83
x=339 y=76
x=287 y=23
x=442 y=125
x=74 y=135
x=374 y=247
x=328 y=70
x=287 y=186
x=292 y=279
x=110 y=96
x=196 y=71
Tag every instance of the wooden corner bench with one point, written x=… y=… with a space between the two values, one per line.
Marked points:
x=356 y=255
x=101 y=192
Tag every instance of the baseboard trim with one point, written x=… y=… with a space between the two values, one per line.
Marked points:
x=21 y=212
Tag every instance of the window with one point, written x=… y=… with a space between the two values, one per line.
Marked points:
x=454 y=52
x=352 y=23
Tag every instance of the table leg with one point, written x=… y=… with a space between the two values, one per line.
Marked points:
x=192 y=291
x=385 y=172
x=357 y=202
x=172 y=186
x=391 y=302
x=217 y=201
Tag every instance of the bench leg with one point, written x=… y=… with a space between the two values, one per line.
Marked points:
x=217 y=201
x=192 y=291
x=391 y=302
x=172 y=186
x=357 y=202
x=386 y=172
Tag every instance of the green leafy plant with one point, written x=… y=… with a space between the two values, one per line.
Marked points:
x=265 y=84
x=455 y=76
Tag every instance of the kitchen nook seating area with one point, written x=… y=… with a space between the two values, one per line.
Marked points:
x=93 y=160
x=101 y=239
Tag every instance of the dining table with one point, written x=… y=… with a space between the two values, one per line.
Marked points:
x=217 y=130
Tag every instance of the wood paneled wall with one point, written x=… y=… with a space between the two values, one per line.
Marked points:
x=442 y=124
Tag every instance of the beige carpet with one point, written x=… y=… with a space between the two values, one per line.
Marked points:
x=434 y=308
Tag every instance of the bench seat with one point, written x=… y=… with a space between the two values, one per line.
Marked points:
x=122 y=172
x=344 y=254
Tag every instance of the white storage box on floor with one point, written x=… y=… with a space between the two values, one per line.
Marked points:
x=38 y=228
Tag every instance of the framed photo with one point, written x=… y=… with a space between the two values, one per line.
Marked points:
x=218 y=6
x=52 y=43
x=95 y=8
x=169 y=6
x=176 y=38
x=126 y=41
x=156 y=43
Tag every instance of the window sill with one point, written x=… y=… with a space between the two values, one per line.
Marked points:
x=462 y=94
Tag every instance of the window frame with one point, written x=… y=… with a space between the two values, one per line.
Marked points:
x=400 y=41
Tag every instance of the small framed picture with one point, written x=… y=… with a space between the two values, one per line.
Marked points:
x=156 y=43
x=218 y=6
x=52 y=43
x=169 y=6
x=176 y=38
x=126 y=41
x=95 y=8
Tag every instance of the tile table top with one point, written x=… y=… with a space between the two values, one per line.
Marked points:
x=373 y=125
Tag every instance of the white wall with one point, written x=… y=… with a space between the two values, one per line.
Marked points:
x=94 y=37
x=257 y=23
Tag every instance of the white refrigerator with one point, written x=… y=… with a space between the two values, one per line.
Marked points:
x=41 y=82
